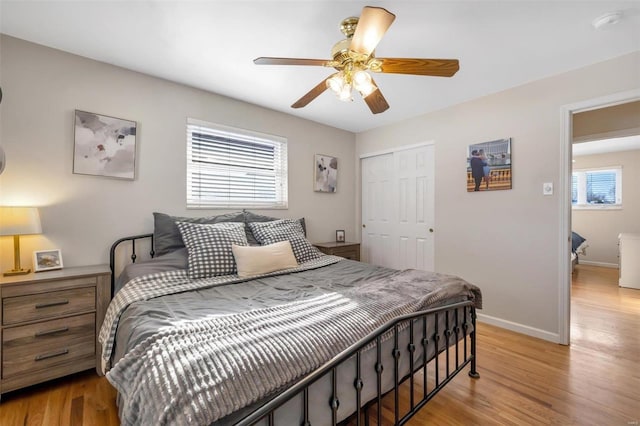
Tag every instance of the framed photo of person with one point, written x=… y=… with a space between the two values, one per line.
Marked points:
x=489 y=166
x=340 y=236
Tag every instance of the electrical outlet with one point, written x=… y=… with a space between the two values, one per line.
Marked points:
x=547 y=188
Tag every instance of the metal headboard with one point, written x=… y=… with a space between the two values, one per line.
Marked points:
x=112 y=253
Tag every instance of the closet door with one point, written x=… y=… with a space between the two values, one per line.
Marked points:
x=398 y=209
x=378 y=216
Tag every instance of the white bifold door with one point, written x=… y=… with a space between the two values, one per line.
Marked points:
x=397 y=208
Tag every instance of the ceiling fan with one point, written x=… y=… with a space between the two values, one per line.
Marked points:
x=354 y=56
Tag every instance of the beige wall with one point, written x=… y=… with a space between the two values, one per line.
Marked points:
x=82 y=215
x=506 y=242
x=614 y=121
x=601 y=227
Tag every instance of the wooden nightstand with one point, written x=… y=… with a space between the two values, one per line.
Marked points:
x=346 y=249
x=50 y=323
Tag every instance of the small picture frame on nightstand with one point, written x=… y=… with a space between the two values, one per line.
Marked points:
x=47 y=260
x=340 y=236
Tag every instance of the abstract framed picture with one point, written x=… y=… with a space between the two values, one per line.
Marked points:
x=325 y=174
x=3 y=162
x=104 y=146
x=489 y=166
x=47 y=260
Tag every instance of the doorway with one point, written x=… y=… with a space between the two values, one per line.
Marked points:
x=565 y=184
x=398 y=208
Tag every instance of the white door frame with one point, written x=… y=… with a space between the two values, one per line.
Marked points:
x=564 y=239
x=399 y=148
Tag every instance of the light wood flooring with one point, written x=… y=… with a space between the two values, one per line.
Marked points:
x=595 y=381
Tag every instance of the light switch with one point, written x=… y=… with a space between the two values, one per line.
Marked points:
x=547 y=188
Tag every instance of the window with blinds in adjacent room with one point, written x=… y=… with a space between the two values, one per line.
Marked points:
x=234 y=168
x=597 y=188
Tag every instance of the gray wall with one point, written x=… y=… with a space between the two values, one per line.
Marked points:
x=506 y=242
x=601 y=227
x=82 y=215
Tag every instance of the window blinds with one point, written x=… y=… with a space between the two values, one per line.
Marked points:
x=597 y=187
x=234 y=168
x=601 y=187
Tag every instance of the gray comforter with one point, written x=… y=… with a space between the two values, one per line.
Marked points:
x=194 y=357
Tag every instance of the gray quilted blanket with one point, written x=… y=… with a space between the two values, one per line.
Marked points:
x=196 y=372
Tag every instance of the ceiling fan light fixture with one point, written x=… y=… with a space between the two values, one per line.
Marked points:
x=366 y=90
x=354 y=59
x=345 y=93
x=362 y=82
x=336 y=82
x=361 y=77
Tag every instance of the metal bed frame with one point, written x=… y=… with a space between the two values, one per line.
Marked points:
x=459 y=344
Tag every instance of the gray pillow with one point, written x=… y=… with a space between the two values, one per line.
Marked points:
x=250 y=217
x=166 y=234
x=286 y=230
x=209 y=252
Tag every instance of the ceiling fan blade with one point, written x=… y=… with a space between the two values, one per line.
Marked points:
x=290 y=61
x=311 y=94
x=432 y=67
x=372 y=25
x=376 y=102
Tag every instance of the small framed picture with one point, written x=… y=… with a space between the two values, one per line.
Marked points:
x=47 y=260
x=326 y=173
x=340 y=236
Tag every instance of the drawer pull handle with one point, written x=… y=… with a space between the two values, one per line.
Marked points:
x=53 y=331
x=52 y=354
x=50 y=304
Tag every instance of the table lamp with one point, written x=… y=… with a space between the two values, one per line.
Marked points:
x=18 y=221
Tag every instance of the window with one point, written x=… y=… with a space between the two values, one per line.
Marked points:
x=596 y=188
x=234 y=168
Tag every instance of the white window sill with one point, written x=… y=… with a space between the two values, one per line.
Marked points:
x=597 y=207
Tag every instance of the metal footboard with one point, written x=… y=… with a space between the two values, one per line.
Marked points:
x=443 y=354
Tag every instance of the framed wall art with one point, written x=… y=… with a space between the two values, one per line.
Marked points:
x=3 y=162
x=489 y=166
x=326 y=173
x=104 y=146
x=47 y=260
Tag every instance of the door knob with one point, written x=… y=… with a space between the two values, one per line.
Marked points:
x=364 y=226
x=430 y=229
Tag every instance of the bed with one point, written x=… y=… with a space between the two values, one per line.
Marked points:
x=578 y=248
x=319 y=343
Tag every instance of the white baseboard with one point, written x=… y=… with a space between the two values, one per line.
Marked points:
x=519 y=328
x=602 y=264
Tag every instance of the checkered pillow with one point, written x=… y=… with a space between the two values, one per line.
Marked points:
x=209 y=247
x=285 y=230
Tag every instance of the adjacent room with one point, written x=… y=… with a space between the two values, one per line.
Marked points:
x=319 y=212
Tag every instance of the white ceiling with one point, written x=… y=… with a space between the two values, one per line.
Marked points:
x=602 y=146
x=211 y=45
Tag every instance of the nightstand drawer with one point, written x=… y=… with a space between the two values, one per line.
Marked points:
x=47 y=305
x=47 y=345
x=346 y=252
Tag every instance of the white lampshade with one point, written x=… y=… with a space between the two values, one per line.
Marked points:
x=19 y=221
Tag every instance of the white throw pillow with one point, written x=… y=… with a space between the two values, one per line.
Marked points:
x=257 y=260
